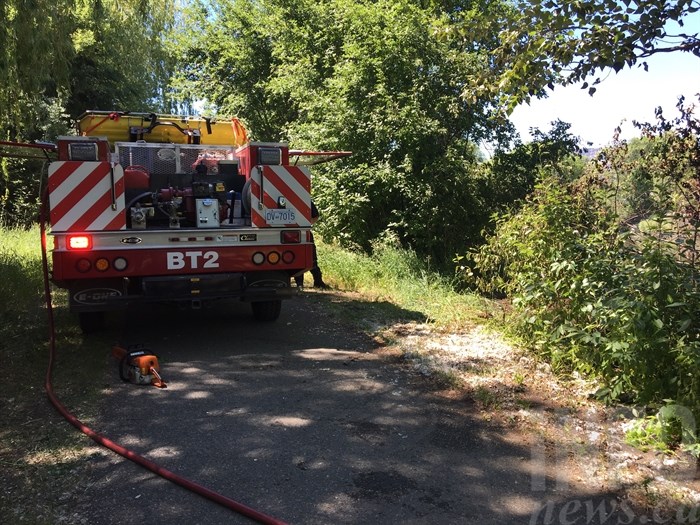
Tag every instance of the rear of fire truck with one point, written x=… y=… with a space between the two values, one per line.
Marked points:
x=186 y=220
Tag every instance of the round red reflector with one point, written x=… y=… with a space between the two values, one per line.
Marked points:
x=288 y=257
x=83 y=265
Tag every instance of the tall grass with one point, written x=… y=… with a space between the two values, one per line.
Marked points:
x=20 y=283
x=40 y=455
x=23 y=313
x=397 y=275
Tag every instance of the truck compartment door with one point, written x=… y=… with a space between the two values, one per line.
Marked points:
x=280 y=197
x=86 y=196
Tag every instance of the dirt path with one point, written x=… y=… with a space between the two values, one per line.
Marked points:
x=312 y=421
x=582 y=438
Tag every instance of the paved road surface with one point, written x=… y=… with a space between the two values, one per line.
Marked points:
x=303 y=421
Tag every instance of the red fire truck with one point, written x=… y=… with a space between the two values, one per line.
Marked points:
x=146 y=207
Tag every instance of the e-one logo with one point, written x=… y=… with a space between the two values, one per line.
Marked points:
x=192 y=260
x=95 y=295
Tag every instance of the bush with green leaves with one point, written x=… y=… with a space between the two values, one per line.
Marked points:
x=595 y=289
x=671 y=428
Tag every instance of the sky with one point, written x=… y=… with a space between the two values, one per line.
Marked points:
x=631 y=94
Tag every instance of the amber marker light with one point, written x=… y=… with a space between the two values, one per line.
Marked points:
x=102 y=265
x=273 y=257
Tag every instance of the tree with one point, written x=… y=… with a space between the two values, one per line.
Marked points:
x=607 y=288
x=58 y=59
x=35 y=55
x=565 y=42
x=121 y=61
x=510 y=176
x=226 y=57
x=382 y=79
x=81 y=54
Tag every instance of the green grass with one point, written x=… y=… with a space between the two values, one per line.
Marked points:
x=39 y=451
x=398 y=276
x=21 y=285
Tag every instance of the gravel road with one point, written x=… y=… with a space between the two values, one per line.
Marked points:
x=305 y=420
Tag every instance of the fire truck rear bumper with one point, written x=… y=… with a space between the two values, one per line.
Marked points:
x=118 y=293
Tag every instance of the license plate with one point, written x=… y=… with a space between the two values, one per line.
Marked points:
x=280 y=216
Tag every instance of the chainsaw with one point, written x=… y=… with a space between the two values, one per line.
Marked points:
x=138 y=365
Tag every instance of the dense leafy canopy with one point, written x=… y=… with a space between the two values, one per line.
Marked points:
x=120 y=61
x=564 y=41
x=60 y=58
x=78 y=55
x=377 y=78
x=35 y=51
x=412 y=88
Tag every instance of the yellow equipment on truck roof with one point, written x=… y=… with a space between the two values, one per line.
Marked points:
x=119 y=126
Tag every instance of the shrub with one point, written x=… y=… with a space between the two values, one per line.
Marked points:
x=598 y=292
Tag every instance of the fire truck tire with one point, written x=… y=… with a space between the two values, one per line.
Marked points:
x=91 y=322
x=266 y=311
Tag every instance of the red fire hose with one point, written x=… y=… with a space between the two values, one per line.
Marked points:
x=115 y=447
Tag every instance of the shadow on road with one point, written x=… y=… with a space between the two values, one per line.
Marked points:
x=300 y=419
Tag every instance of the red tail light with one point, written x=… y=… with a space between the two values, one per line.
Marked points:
x=79 y=242
x=291 y=237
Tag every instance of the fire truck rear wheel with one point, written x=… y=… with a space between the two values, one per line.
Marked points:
x=266 y=311
x=91 y=322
